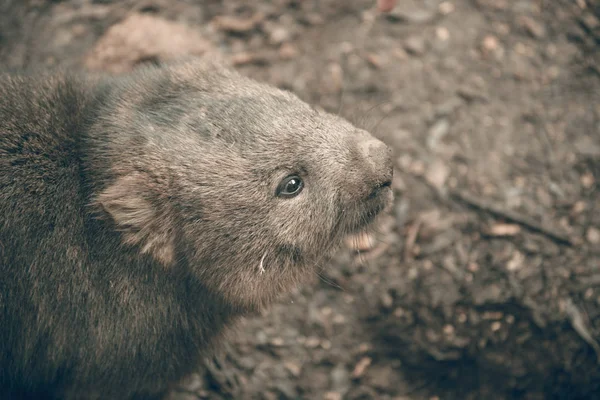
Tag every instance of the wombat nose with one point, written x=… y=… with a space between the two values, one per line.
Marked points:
x=380 y=158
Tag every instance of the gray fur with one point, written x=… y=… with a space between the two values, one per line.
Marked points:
x=138 y=218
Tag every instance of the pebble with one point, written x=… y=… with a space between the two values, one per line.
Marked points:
x=374 y=60
x=415 y=45
x=437 y=174
x=312 y=342
x=234 y=24
x=361 y=366
x=504 y=229
x=587 y=180
x=145 y=37
x=593 y=235
x=340 y=379
x=446 y=7
x=532 y=27
x=418 y=16
x=442 y=33
x=293 y=368
x=245 y=57
x=279 y=35
x=332 y=396
x=490 y=43
x=437 y=132
x=288 y=51
x=386 y=300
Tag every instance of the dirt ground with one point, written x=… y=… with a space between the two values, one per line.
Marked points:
x=484 y=280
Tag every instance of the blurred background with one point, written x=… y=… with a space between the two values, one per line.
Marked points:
x=483 y=282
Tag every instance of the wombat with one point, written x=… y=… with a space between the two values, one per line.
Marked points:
x=141 y=214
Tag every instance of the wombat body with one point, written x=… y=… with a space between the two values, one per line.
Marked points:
x=139 y=215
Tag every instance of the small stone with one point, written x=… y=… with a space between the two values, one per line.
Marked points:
x=245 y=58
x=386 y=300
x=279 y=35
x=293 y=368
x=417 y=167
x=437 y=174
x=287 y=51
x=492 y=315
x=339 y=319
x=593 y=235
x=142 y=37
x=502 y=28
x=419 y=16
x=261 y=337
x=361 y=366
x=336 y=77
x=340 y=378
x=448 y=330
x=534 y=28
x=415 y=45
x=504 y=230
x=587 y=180
x=578 y=208
x=312 y=342
x=446 y=8
x=332 y=396
x=442 y=33
x=235 y=24
x=79 y=30
x=437 y=132
x=516 y=262
x=364 y=347
x=374 y=60
x=495 y=326
x=312 y=19
x=473 y=267
x=346 y=47
x=400 y=53
x=490 y=43
x=587 y=146
x=277 y=342
x=590 y=21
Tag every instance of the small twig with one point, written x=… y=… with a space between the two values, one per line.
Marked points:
x=411 y=238
x=513 y=216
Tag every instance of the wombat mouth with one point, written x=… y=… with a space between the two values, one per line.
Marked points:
x=373 y=208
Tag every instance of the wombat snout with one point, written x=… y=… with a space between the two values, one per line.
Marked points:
x=379 y=157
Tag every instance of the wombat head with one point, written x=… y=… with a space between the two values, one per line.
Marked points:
x=247 y=183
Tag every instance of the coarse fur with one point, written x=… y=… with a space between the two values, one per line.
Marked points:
x=139 y=216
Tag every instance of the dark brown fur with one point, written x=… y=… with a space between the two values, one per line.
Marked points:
x=138 y=217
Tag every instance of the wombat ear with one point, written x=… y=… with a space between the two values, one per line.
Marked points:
x=139 y=219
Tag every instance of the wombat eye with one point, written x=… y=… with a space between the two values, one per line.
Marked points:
x=290 y=186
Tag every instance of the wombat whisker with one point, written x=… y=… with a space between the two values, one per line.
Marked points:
x=261 y=267
x=376 y=127
x=363 y=120
x=329 y=282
